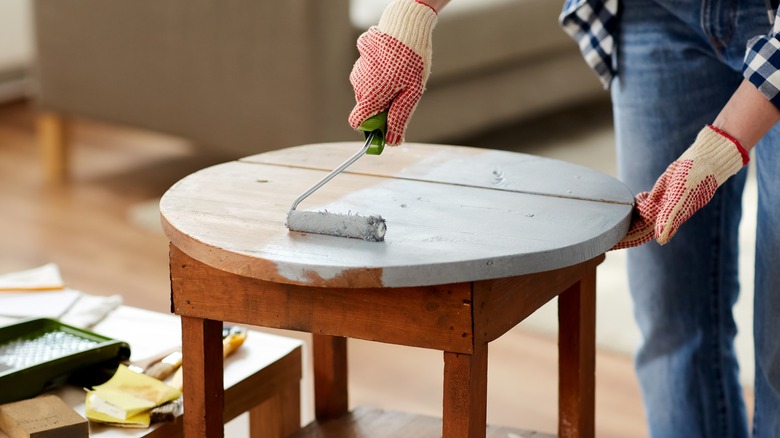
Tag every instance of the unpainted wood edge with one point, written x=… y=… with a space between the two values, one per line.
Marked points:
x=503 y=303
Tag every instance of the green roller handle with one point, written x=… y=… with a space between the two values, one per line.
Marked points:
x=378 y=125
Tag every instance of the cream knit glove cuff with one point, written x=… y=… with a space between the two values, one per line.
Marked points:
x=723 y=155
x=411 y=23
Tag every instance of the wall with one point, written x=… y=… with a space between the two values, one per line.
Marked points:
x=16 y=49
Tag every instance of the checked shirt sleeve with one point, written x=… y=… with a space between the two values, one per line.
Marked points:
x=762 y=63
x=593 y=24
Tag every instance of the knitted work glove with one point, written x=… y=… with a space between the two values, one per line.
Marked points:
x=686 y=186
x=394 y=64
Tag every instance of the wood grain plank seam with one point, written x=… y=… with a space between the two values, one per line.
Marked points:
x=446 y=183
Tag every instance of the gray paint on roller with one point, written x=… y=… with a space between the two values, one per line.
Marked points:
x=370 y=228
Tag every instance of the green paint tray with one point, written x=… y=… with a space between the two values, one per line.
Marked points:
x=41 y=353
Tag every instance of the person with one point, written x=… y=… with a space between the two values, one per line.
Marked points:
x=695 y=87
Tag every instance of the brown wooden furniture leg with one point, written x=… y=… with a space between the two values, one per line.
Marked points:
x=54 y=135
x=465 y=394
x=204 y=397
x=331 y=398
x=277 y=417
x=577 y=359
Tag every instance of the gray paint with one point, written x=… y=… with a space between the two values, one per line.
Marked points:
x=458 y=217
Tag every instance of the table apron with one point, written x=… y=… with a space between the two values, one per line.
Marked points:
x=449 y=317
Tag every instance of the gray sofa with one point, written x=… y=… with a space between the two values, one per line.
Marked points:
x=239 y=77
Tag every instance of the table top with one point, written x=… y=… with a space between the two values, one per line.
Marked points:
x=454 y=214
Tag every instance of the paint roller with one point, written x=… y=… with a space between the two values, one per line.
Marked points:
x=371 y=228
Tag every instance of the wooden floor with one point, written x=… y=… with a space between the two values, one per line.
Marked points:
x=86 y=228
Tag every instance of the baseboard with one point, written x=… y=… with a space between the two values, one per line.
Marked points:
x=15 y=84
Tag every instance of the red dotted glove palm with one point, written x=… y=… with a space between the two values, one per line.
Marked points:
x=686 y=186
x=394 y=64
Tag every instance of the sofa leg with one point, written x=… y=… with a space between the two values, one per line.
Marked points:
x=54 y=140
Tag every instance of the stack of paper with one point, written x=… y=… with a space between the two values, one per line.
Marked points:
x=38 y=292
x=46 y=277
x=41 y=293
x=128 y=398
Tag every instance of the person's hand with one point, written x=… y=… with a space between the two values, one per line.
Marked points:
x=394 y=64
x=687 y=185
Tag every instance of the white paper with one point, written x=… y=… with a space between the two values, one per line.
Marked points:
x=46 y=277
x=37 y=304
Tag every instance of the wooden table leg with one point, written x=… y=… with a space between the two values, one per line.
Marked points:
x=577 y=359
x=331 y=397
x=204 y=395
x=54 y=141
x=279 y=416
x=465 y=394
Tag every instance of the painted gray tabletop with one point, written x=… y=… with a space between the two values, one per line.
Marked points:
x=454 y=214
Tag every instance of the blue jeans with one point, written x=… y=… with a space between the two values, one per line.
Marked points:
x=679 y=61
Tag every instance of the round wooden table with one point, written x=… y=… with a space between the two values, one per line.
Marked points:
x=477 y=240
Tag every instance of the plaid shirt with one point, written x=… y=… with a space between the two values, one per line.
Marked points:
x=593 y=24
x=762 y=62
